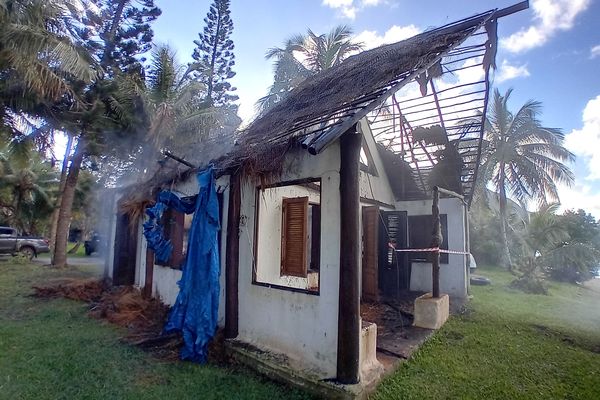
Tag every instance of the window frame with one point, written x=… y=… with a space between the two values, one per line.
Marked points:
x=173 y=231
x=257 y=193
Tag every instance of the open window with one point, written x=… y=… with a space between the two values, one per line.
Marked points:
x=176 y=227
x=366 y=160
x=288 y=236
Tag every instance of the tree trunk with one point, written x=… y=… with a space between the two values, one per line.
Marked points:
x=506 y=259
x=61 y=187
x=59 y=259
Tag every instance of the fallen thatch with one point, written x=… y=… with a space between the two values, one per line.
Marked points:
x=88 y=290
x=143 y=318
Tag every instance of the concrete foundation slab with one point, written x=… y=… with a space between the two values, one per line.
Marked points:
x=430 y=312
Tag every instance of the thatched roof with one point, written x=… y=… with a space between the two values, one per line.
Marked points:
x=324 y=106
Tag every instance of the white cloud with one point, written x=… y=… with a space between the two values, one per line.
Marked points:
x=579 y=196
x=349 y=8
x=585 y=142
x=338 y=3
x=396 y=33
x=349 y=12
x=370 y=3
x=550 y=17
x=595 y=51
x=346 y=7
x=508 y=71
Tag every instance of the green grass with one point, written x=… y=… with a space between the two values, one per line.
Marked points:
x=50 y=349
x=509 y=345
x=80 y=251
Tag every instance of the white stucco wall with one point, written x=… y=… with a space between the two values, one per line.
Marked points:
x=371 y=186
x=453 y=276
x=269 y=233
x=164 y=282
x=303 y=326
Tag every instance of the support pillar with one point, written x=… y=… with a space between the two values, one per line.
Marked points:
x=436 y=242
x=349 y=296
x=232 y=257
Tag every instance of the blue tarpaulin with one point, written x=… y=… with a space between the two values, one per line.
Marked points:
x=195 y=311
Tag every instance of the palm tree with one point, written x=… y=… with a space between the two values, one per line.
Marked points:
x=174 y=100
x=522 y=159
x=303 y=56
x=26 y=183
x=36 y=48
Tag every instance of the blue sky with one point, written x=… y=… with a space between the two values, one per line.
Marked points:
x=550 y=52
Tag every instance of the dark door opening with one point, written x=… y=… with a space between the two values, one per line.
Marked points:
x=125 y=251
x=394 y=267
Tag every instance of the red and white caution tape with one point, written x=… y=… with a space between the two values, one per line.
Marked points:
x=428 y=249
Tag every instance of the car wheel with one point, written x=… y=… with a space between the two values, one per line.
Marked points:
x=27 y=252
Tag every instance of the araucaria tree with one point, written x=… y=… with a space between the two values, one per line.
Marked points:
x=116 y=36
x=522 y=159
x=214 y=54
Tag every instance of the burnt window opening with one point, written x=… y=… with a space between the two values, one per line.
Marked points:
x=288 y=236
x=420 y=228
x=366 y=160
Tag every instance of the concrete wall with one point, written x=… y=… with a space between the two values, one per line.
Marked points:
x=371 y=186
x=301 y=325
x=453 y=276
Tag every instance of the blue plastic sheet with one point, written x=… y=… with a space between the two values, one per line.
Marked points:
x=153 y=230
x=195 y=311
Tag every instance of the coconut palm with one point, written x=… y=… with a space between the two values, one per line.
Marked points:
x=303 y=56
x=36 y=49
x=522 y=159
x=26 y=183
x=174 y=100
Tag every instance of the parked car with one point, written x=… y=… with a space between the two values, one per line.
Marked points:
x=29 y=246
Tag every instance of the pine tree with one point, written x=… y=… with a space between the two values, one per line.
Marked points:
x=214 y=54
x=119 y=32
x=116 y=33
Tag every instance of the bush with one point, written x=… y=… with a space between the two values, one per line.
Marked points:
x=531 y=285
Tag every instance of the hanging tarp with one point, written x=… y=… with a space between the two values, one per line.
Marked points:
x=195 y=311
x=153 y=229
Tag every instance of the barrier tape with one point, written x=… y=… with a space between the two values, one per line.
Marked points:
x=428 y=249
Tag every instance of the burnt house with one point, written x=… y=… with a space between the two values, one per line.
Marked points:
x=320 y=196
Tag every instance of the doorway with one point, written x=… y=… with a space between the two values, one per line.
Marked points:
x=125 y=251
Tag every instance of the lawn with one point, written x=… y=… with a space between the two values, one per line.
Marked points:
x=80 y=251
x=52 y=350
x=509 y=345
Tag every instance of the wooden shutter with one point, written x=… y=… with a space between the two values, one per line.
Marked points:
x=294 y=236
x=370 y=228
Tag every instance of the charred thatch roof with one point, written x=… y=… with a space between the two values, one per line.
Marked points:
x=324 y=106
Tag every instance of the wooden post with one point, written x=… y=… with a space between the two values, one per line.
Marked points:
x=147 y=292
x=436 y=242
x=232 y=257
x=349 y=296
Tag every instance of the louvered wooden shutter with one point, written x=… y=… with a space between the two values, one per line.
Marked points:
x=370 y=227
x=294 y=236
